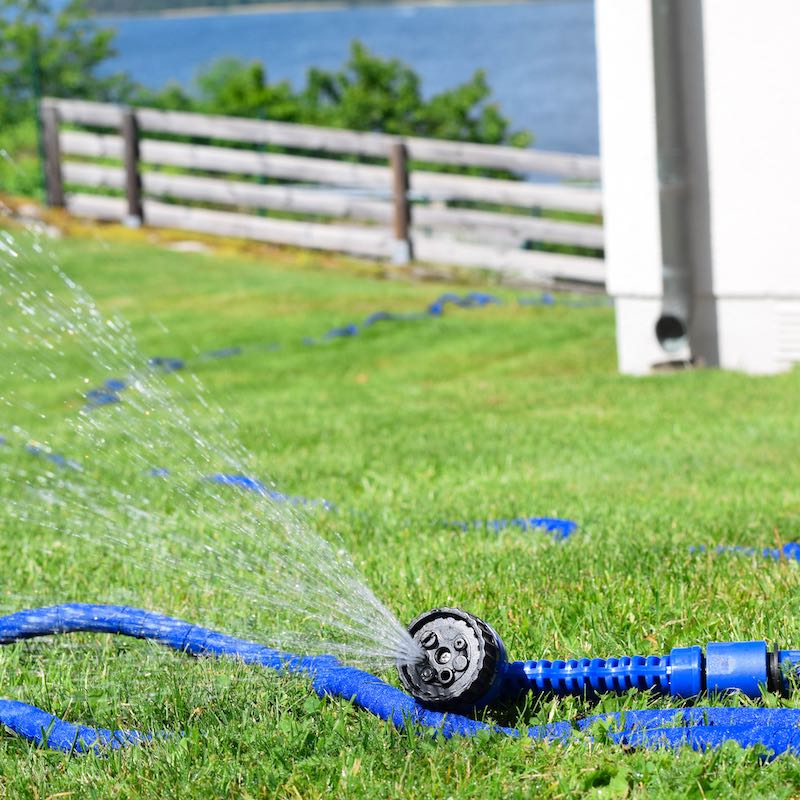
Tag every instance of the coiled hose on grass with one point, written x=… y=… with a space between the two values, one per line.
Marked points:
x=776 y=730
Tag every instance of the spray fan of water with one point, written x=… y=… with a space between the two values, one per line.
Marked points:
x=252 y=564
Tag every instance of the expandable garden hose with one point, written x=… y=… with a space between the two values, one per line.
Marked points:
x=776 y=730
x=558 y=528
x=465 y=666
x=111 y=389
x=109 y=392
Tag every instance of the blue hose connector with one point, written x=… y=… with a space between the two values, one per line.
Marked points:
x=746 y=667
x=787 y=671
x=686 y=671
x=452 y=636
x=737 y=666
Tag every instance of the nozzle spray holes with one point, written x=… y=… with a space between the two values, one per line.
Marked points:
x=430 y=640
x=463 y=658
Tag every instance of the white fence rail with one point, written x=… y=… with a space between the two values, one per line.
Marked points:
x=399 y=209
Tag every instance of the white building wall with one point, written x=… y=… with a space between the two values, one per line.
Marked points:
x=628 y=144
x=752 y=67
x=743 y=100
x=630 y=177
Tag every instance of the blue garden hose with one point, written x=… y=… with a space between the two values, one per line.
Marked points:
x=465 y=666
x=776 y=730
x=747 y=667
x=110 y=392
x=558 y=528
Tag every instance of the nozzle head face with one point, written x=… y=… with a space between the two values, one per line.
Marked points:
x=463 y=662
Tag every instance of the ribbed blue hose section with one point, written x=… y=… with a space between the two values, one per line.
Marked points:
x=46 y=730
x=776 y=730
x=598 y=675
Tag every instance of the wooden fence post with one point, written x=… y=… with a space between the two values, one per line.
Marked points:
x=398 y=158
x=437 y=228
x=133 y=181
x=54 y=185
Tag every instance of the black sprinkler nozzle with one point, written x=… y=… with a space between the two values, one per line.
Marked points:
x=463 y=664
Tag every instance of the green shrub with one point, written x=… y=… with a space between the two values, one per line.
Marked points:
x=367 y=93
x=20 y=172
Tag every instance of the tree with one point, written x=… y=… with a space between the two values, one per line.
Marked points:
x=371 y=93
x=368 y=93
x=58 y=50
x=232 y=87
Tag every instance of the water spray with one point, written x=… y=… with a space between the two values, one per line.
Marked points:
x=774 y=730
x=464 y=663
x=465 y=667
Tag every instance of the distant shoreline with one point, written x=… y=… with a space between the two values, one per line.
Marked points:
x=294 y=6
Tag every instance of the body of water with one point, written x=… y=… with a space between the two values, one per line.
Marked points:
x=539 y=56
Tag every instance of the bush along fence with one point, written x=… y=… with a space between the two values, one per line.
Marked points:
x=366 y=194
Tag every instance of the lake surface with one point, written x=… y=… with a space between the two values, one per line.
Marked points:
x=539 y=56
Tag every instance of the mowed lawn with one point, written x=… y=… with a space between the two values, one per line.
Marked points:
x=487 y=413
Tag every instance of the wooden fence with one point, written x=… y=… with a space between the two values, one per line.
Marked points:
x=368 y=194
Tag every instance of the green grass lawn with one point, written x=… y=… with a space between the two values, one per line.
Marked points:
x=480 y=414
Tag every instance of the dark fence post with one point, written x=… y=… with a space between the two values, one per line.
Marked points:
x=398 y=158
x=133 y=180
x=54 y=185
